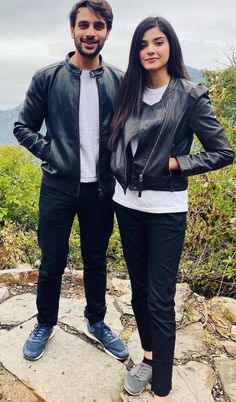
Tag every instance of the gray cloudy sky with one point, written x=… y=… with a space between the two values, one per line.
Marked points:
x=36 y=33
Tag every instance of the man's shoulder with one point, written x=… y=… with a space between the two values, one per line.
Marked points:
x=117 y=71
x=51 y=68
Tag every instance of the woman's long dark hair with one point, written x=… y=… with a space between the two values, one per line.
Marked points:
x=131 y=93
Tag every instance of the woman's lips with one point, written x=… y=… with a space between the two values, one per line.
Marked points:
x=152 y=59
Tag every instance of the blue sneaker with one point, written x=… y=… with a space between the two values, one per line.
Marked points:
x=110 y=342
x=35 y=344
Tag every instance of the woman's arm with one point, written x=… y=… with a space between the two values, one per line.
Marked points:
x=217 y=150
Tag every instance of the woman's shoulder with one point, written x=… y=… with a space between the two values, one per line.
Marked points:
x=194 y=89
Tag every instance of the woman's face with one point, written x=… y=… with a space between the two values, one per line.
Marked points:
x=154 y=50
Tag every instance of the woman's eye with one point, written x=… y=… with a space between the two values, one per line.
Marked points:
x=159 y=43
x=143 y=45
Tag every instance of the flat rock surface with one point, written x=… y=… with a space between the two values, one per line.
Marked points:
x=233 y=333
x=121 y=285
x=227 y=373
x=183 y=292
x=135 y=349
x=190 y=342
x=74 y=370
x=22 y=274
x=192 y=382
x=58 y=376
x=17 y=309
x=11 y=389
x=124 y=303
x=4 y=293
x=71 y=312
x=229 y=307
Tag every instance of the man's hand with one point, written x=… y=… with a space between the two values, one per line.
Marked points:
x=173 y=164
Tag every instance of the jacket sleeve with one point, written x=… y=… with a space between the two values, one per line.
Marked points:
x=30 y=120
x=217 y=150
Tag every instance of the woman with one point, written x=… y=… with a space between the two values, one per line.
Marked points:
x=158 y=112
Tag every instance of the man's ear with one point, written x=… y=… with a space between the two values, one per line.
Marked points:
x=72 y=32
x=107 y=35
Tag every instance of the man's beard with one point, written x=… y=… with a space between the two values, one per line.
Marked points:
x=86 y=53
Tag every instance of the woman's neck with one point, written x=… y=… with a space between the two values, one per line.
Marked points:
x=157 y=79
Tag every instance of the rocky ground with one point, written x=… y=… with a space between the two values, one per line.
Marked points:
x=75 y=369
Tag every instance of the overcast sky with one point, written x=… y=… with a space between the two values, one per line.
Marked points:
x=36 y=33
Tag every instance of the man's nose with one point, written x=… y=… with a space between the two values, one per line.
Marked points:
x=90 y=32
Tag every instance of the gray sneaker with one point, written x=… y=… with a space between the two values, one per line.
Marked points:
x=138 y=378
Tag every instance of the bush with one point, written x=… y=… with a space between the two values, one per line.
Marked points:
x=209 y=257
x=19 y=186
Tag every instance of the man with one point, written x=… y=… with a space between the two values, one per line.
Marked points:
x=76 y=97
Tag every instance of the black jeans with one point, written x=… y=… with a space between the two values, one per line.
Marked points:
x=57 y=211
x=152 y=246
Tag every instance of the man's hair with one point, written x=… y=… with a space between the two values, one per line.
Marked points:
x=100 y=8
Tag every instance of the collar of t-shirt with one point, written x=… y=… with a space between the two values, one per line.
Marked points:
x=151 y=96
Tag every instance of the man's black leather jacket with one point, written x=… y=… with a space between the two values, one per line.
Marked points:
x=166 y=130
x=54 y=96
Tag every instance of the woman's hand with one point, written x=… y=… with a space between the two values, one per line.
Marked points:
x=173 y=164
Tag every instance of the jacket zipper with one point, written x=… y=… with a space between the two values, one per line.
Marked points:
x=133 y=135
x=100 y=191
x=171 y=181
x=78 y=138
x=152 y=152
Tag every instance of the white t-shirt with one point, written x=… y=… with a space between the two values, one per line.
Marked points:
x=88 y=127
x=151 y=201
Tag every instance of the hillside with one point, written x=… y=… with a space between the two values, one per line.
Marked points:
x=7 y=119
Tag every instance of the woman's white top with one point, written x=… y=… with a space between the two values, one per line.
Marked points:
x=157 y=202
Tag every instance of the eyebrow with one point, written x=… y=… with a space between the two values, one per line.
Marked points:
x=158 y=37
x=95 y=22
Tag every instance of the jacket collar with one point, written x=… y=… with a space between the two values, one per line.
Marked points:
x=170 y=87
x=78 y=70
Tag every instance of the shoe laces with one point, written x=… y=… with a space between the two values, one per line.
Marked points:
x=107 y=332
x=38 y=332
x=140 y=371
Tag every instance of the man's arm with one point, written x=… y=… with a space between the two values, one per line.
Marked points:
x=30 y=120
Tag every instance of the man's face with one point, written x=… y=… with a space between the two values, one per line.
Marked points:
x=89 y=34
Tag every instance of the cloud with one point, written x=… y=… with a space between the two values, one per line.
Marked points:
x=34 y=34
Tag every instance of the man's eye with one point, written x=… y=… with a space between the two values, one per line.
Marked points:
x=83 y=25
x=99 y=25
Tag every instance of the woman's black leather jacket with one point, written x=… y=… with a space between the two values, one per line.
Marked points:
x=165 y=130
x=54 y=96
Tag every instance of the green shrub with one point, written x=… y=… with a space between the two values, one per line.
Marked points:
x=209 y=257
x=19 y=186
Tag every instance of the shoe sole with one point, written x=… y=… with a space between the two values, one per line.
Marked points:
x=38 y=357
x=132 y=393
x=87 y=333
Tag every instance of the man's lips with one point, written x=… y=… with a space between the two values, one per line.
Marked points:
x=89 y=42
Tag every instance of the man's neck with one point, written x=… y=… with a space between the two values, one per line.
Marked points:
x=84 y=62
